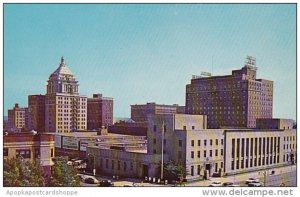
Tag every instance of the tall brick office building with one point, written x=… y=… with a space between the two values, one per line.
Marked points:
x=235 y=100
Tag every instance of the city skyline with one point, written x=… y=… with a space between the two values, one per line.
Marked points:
x=149 y=52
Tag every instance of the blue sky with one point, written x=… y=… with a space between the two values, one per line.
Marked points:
x=138 y=53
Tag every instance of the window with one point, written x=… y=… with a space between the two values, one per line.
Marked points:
x=192 y=170
x=198 y=170
x=192 y=154
x=154 y=151
x=179 y=154
x=125 y=166
x=131 y=166
x=52 y=152
x=210 y=153
x=216 y=152
x=184 y=128
x=112 y=164
x=211 y=142
x=5 y=152
x=222 y=141
x=192 y=142
x=204 y=142
x=154 y=128
x=222 y=152
x=221 y=164
x=193 y=127
x=24 y=153
x=119 y=165
x=198 y=154
x=180 y=143
x=165 y=128
x=217 y=142
x=204 y=153
x=154 y=141
x=199 y=142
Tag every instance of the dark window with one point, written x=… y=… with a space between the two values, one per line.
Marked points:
x=154 y=151
x=24 y=153
x=192 y=154
x=125 y=166
x=251 y=149
x=180 y=143
x=106 y=163
x=222 y=152
x=210 y=153
x=211 y=142
x=198 y=169
x=165 y=128
x=184 y=128
x=198 y=154
x=199 y=142
x=192 y=170
x=154 y=141
x=131 y=166
x=204 y=153
x=216 y=152
x=193 y=127
x=217 y=142
x=52 y=152
x=233 y=148
x=5 y=152
x=204 y=142
x=222 y=141
x=232 y=165
x=238 y=148
x=192 y=142
x=179 y=154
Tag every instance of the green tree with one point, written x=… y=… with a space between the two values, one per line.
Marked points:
x=63 y=175
x=173 y=171
x=18 y=172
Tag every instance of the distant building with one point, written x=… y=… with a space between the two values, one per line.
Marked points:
x=17 y=118
x=129 y=128
x=30 y=146
x=36 y=113
x=99 y=112
x=139 y=113
x=65 y=110
x=235 y=100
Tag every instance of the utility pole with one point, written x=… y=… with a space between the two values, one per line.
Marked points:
x=162 y=151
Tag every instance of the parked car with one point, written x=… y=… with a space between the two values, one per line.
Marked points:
x=106 y=183
x=91 y=180
x=251 y=180
x=227 y=184
x=216 y=184
x=255 y=184
x=234 y=185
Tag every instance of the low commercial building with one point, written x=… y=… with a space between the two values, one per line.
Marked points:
x=185 y=139
x=30 y=146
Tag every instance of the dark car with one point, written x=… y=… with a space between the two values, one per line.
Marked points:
x=90 y=180
x=106 y=183
x=227 y=184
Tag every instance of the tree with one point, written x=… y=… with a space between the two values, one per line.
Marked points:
x=174 y=171
x=18 y=172
x=63 y=175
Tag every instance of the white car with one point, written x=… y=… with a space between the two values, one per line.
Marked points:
x=255 y=184
x=251 y=180
x=216 y=184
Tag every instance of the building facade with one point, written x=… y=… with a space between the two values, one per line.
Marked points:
x=99 y=112
x=17 y=118
x=65 y=109
x=36 y=113
x=185 y=139
x=235 y=100
x=139 y=113
x=30 y=146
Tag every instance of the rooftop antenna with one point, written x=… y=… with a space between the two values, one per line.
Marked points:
x=250 y=62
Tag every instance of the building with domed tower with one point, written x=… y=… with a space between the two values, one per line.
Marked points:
x=65 y=109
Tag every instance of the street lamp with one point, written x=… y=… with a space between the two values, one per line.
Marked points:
x=94 y=170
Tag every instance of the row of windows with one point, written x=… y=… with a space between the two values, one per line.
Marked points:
x=241 y=164
x=204 y=142
x=71 y=98
x=118 y=163
x=199 y=168
x=289 y=138
x=204 y=153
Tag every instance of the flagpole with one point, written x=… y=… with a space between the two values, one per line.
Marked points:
x=162 y=152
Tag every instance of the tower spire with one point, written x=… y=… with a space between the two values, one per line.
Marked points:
x=62 y=61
